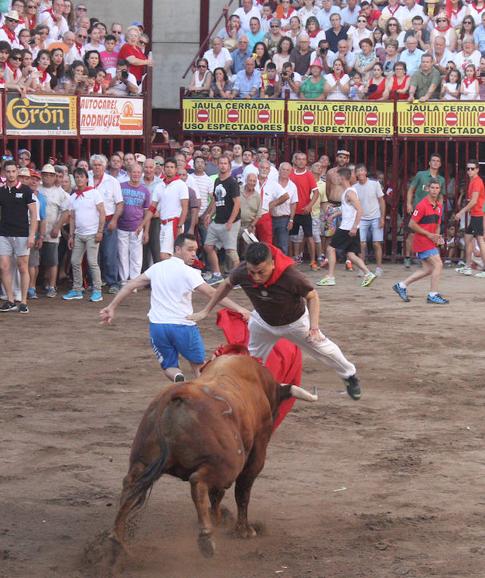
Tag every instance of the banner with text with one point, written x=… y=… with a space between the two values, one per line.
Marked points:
x=34 y=115
x=105 y=116
x=441 y=118
x=262 y=116
x=340 y=118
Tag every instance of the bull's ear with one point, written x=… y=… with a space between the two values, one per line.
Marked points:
x=300 y=393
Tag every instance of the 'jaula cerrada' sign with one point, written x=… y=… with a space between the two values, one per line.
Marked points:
x=441 y=118
x=266 y=116
x=340 y=118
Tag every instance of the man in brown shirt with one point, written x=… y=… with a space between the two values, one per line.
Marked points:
x=285 y=306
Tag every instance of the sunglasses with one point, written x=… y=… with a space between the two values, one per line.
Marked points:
x=471 y=168
x=392 y=23
x=361 y=20
x=263 y=152
x=81 y=36
x=82 y=9
x=274 y=26
x=441 y=20
x=202 y=66
x=19 y=58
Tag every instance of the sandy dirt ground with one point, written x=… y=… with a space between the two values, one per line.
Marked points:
x=391 y=486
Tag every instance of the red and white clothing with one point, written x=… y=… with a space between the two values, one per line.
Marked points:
x=305 y=184
x=462 y=60
x=76 y=52
x=169 y=196
x=331 y=80
x=245 y=17
x=456 y=16
x=284 y=210
x=392 y=12
x=11 y=74
x=269 y=190
x=470 y=89
x=7 y=35
x=84 y=204
x=476 y=13
x=110 y=190
x=406 y=16
x=128 y=50
x=57 y=24
x=44 y=79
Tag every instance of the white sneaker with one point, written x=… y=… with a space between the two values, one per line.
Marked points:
x=467 y=271
x=379 y=271
x=480 y=275
x=326 y=282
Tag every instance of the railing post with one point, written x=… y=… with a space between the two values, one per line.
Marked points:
x=181 y=113
x=395 y=184
x=148 y=113
x=286 y=138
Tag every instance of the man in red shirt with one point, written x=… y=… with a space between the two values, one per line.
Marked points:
x=307 y=196
x=425 y=223
x=475 y=206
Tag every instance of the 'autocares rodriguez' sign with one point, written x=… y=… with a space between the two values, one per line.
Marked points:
x=41 y=115
x=261 y=116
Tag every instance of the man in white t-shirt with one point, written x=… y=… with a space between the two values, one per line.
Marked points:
x=206 y=186
x=171 y=200
x=283 y=210
x=245 y=13
x=218 y=56
x=172 y=283
x=270 y=191
x=373 y=205
x=86 y=224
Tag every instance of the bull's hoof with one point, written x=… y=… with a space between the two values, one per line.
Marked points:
x=227 y=516
x=245 y=532
x=207 y=546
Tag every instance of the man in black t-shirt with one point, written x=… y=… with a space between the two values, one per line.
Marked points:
x=285 y=306
x=18 y=225
x=224 y=230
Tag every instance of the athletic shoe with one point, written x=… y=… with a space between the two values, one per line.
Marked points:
x=179 y=378
x=22 y=308
x=466 y=271
x=298 y=260
x=51 y=292
x=379 y=271
x=113 y=290
x=73 y=295
x=480 y=275
x=348 y=265
x=402 y=292
x=96 y=296
x=8 y=306
x=31 y=293
x=353 y=387
x=407 y=262
x=326 y=282
x=314 y=266
x=461 y=263
x=369 y=278
x=215 y=280
x=437 y=299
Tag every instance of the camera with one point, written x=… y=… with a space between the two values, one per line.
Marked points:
x=124 y=75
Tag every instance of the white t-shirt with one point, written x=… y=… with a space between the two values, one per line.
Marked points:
x=110 y=189
x=369 y=194
x=348 y=211
x=85 y=209
x=284 y=210
x=462 y=61
x=218 y=61
x=246 y=17
x=331 y=81
x=57 y=201
x=272 y=191
x=169 y=198
x=205 y=185
x=172 y=284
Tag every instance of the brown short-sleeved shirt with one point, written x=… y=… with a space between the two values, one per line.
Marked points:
x=279 y=304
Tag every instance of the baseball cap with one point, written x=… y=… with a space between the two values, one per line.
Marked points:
x=48 y=169
x=24 y=172
x=25 y=152
x=35 y=174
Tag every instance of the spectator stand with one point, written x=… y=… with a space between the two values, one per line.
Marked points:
x=394 y=139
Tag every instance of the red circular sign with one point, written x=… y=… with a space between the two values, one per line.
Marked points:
x=232 y=115
x=340 y=118
x=481 y=119
x=264 y=116
x=372 y=118
x=451 y=119
x=308 y=117
x=419 y=118
x=202 y=115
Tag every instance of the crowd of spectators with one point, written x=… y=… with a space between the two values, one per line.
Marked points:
x=123 y=213
x=54 y=46
x=346 y=50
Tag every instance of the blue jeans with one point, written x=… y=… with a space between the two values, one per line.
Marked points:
x=281 y=233
x=109 y=256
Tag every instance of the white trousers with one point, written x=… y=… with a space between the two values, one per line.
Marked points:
x=262 y=338
x=130 y=254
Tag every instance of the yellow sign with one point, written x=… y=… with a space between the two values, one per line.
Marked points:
x=54 y=115
x=215 y=115
x=441 y=118
x=340 y=118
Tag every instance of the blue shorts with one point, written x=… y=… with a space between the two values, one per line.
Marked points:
x=170 y=340
x=423 y=255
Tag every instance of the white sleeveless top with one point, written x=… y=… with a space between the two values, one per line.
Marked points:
x=470 y=92
x=348 y=211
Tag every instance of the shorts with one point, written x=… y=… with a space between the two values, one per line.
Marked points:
x=317 y=229
x=168 y=233
x=49 y=254
x=343 y=241
x=17 y=246
x=371 y=225
x=303 y=221
x=34 y=258
x=171 y=340
x=217 y=234
x=423 y=255
x=475 y=227
x=330 y=220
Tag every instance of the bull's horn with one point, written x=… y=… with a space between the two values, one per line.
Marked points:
x=301 y=393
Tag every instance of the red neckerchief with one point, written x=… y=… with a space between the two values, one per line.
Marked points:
x=15 y=72
x=393 y=11
x=80 y=192
x=313 y=34
x=444 y=31
x=337 y=78
x=468 y=81
x=281 y=264
x=167 y=181
x=96 y=87
x=79 y=47
x=51 y=12
x=475 y=7
x=10 y=35
x=43 y=75
x=32 y=20
x=261 y=187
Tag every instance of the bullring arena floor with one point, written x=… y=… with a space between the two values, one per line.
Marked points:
x=391 y=486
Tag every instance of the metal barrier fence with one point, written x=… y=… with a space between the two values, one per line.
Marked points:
x=394 y=140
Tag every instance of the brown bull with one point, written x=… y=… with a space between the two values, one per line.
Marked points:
x=211 y=432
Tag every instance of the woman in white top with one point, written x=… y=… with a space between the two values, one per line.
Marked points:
x=307 y=11
x=285 y=46
x=42 y=63
x=443 y=28
x=470 y=87
x=295 y=29
x=458 y=12
x=359 y=32
x=201 y=81
x=337 y=83
x=314 y=32
x=393 y=31
x=450 y=87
